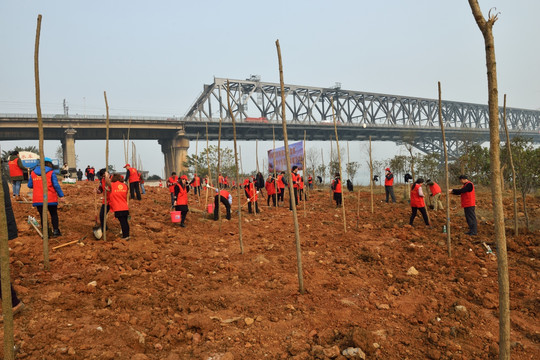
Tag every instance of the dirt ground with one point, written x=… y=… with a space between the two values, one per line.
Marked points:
x=188 y=293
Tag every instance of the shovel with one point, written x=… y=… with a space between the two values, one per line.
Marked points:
x=98 y=233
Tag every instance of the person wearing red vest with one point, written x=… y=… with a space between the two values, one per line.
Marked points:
x=225 y=198
x=118 y=202
x=389 y=185
x=468 y=203
x=54 y=191
x=281 y=182
x=270 y=186
x=141 y=184
x=336 y=188
x=417 y=201
x=132 y=177
x=196 y=184
x=310 y=181
x=296 y=183
x=221 y=181
x=181 y=189
x=436 y=192
x=252 y=196
x=301 y=187
x=171 y=181
x=16 y=173
x=103 y=175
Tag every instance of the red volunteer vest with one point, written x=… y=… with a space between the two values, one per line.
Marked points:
x=182 y=198
x=224 y=193
x=14 y=169
x=309 y=180
x=118 y=201
x=388 y=182
x=435 y=189
x=37 y=194
x=270 y=188
x=280 y=182
x=172 y=180
x=468 y=199
x=197 y=181
x=133 y=175
x=416 y=200
x=252 y=192
x=337 y=185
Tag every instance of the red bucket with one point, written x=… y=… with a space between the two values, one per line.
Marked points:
x=176 y=216
x=210 y=208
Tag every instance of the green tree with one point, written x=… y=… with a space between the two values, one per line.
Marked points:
x=352 y=169
x=527 y=164
x=474 y=163
x=429 y=166
x=199 y=162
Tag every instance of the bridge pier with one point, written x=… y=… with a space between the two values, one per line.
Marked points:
x=175 y=153
x=68 y=149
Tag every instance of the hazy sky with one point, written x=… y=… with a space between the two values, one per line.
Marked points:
x=153 y=57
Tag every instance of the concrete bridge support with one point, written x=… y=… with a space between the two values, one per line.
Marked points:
x=175 y=153
x=68 y=148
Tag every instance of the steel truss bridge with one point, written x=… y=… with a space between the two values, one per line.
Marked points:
x=358 y=115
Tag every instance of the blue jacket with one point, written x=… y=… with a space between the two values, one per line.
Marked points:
x=54 y=180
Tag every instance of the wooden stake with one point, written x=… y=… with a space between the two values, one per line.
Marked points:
x=45 y=212
x=107 y=165
x=304 y=178
x=291 y=190
x=219 y=153
x=237 y=176
x=339 y=166
x=196 y=167
x=7 y=310
x=371 y=176
x=257 y=154
x=514 y=191
x=209 y=176
x=447 y=183
x=274 y=166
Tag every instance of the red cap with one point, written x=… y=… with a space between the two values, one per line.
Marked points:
x=125 y=166
x=387 y=169
x=184 y=177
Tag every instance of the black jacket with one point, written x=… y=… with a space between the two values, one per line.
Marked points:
x=11 y=224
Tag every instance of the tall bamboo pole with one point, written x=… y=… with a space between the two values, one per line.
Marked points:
x=237 y=175
x=209 y=176
x=106 y=165
x=274 y=166
x=7 y=310
x=514 y=191
x=257 y=154
x=219 y=151
x=45 y=212
x=339 y=166
x=371 y=176
x=291 y=190
x=447 y=183
x=304 y=174
x=197 y=168
x=322 y=162
x=330 y=168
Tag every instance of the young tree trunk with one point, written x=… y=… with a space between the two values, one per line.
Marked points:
x=237 y=176
x=486 y=27
x=219 y=155
x=514 y=191
x=291 y=191
x=107 y=166
x=371 y=176
x=209 y=176
x=274 y=164
x=45 y=216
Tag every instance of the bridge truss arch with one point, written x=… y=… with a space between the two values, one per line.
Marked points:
x=387 y=117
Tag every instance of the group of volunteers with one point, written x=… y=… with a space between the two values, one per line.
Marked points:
x=467 y=193
x=117 y=187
